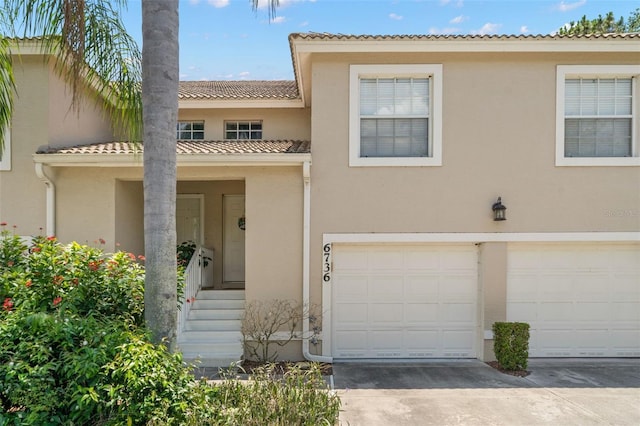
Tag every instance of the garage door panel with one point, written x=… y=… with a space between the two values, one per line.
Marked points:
x=458 y=313
x=594 y=311
x=581 y=299
x=351 y=260
x=352 y=313
x=386 y=314
x=420 y=301
x=421 y=287
x=385 y=287
x=625 y=312
x=386 y=260
x=351 y=287
x=456 y=343
x=421 y=313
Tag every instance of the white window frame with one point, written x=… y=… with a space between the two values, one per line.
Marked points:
x=5 y=162
x=192 y=122
x=434 y=73
x=564 y=72
x=237 y=131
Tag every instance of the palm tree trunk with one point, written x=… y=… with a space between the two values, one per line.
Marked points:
x=160 y=108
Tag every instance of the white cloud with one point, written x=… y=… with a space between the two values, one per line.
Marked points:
x=278 y=20
x=218 y=3
x=244 y=74
x=524 y=29
x=564 y=6
x=443 y=31
x=487 y=28
x=458 y=19
x=194 y=2
x=395 y=17
x=304 y=24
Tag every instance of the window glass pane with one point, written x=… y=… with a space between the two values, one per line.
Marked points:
x=184 y=125
x=230 y=135
x=198 y=126
x=232 y=126
x=256 y=135
x=198 y=135
x=602 y=137
x=184 y=135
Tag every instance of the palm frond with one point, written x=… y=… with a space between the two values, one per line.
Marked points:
x=7 y=90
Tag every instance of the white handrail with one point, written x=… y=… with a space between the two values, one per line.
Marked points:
x=192 y=283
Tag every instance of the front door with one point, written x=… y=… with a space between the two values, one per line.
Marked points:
x=233 y=239
x=189 y=216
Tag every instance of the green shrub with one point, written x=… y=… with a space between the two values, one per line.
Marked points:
x=511 y=344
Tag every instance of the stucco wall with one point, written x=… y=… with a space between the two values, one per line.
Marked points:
x=22 y=194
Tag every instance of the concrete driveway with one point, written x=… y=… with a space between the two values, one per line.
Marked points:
x=468 y=392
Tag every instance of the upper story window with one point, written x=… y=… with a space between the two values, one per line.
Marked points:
x=243 y=130
x=190 y=130
x=5 y=158
x=395 y=115
x=596 y=121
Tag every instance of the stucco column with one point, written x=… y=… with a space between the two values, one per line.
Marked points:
x=493 y=279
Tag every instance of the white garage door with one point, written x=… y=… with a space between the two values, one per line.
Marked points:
x=581 y=300
x=392 y=301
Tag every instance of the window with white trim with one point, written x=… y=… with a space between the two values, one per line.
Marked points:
x=597 y=115
x=243 y=130
x=5 y=159
x=395 y=115
x=190 y=130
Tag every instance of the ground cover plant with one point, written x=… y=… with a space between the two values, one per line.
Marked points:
x=74 y=349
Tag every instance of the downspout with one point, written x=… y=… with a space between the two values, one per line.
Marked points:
x=306 y=246
x=50 y=228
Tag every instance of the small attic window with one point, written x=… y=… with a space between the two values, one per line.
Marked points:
x=243 y=130
x=190 y=130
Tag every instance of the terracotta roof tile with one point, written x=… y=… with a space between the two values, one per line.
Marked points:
x=242 y=90
x=189 y=147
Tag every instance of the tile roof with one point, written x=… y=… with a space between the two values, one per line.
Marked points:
x=328 y=36
x=241 y=90
x=190 y=147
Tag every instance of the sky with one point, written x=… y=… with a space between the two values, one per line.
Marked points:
x=227 y=40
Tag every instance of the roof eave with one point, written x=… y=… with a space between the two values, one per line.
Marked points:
x=191 y=160
x=464 y=45
x=239 y=103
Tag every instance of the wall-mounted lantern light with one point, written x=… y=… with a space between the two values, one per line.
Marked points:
x=242 y=223
x=499 y=210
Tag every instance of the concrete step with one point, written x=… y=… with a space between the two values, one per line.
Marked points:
x=213 y=325
x=221 y=294
x=218 y=304
x=218 y=314
x=210 y=336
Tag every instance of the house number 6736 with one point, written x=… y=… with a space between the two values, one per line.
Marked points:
x=326 y=263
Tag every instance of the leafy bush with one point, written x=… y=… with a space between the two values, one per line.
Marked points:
x=511 y=344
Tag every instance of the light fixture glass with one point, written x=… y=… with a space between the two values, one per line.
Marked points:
x=499 y=210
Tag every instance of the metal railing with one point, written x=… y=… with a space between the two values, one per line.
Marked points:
x=194 y=276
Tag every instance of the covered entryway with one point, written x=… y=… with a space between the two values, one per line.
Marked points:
x=581 y=299
x=404 y=301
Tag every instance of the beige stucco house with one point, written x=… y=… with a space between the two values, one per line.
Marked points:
x=366 y=186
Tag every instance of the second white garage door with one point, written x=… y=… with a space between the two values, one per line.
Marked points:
x=404 y=301
x=581 y=300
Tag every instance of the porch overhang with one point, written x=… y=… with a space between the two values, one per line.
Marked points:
x=189 y=153
x=203 y=160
